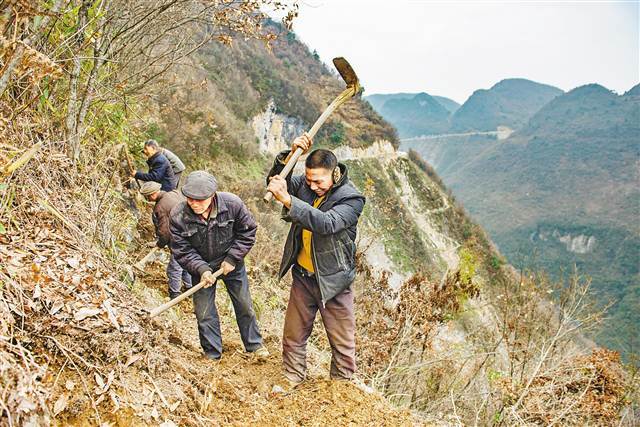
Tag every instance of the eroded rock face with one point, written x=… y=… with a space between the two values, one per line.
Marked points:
x=382 y=150
x=576 y=243
x=579 y=244
x=275 y=131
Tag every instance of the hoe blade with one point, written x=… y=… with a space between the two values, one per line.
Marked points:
x=345 y=70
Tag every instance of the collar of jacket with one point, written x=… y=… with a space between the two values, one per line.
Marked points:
x=161 y=194
x=220 y=206
x=154 y=157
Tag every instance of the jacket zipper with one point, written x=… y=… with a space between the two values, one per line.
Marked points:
x=313 y=258
x=315 y=269
x=338 y=249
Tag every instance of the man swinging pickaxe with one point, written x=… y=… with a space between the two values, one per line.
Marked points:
x=323 y=208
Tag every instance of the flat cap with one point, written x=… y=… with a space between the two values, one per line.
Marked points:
x=149 y=187
x=199 y=185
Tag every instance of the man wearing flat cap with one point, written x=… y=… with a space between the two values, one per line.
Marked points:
x=214 y=230
x=165 y=202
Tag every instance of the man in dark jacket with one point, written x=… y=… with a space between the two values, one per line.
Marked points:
x=159 y=167
x=214 y=230
x=323 y=208
x=165 y=202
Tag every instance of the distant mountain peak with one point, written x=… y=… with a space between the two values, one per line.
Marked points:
x=414 y=114
x=590 y=89
x=634 y=91
x=592 y=108
x=519 y=81
x=510 y=102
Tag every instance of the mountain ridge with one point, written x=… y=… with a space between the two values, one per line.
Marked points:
x=510 y=102
x=564 y=180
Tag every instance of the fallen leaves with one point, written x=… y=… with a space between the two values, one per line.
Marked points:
x=111 y=314
x=52 y=288
x=56 y=307
x=61 y=404
x=132 y=359
x=103 y=386
x=85 y=312
x=37 y=292
x=63 y=282
x=73 y=262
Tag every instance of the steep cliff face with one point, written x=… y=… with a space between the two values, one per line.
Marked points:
x=275 y=130
x=576 y=243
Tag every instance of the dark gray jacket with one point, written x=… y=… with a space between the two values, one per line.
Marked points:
x=200 y=245
x=333 y=225
x=174 y=161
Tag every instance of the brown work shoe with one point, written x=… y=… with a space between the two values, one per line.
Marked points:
x=285 y=385
x=362 y=386
x=261 y=354
x=214 y=357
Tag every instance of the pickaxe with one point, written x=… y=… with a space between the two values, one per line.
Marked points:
x=140 y=264
x=353 y=87
x=185 y=294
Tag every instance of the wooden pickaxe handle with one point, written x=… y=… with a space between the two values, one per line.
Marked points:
x=184 y=295
x=140 y=264
x=132 y=169
x=127 y=157
x=293 y=159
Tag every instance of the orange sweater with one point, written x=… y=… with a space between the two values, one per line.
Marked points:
x=304 y=257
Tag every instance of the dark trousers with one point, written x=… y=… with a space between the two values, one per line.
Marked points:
x=339 y=322
x=204 y=302
x=176 y=276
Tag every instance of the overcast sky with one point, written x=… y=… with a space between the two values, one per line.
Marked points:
x=453 y=48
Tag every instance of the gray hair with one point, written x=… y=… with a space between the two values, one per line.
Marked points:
x=151 y=143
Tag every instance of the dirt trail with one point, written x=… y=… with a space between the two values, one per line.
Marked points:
x=80 y=349
x=178 y=385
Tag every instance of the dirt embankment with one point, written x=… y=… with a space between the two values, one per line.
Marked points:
x=79 y=349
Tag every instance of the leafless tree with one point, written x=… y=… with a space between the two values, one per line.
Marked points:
x=112 y=49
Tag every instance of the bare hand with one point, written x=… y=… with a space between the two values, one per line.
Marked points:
x=227 y=267
x=278 y=186
x=133 y=173
x=302 y=142
x=208 y=278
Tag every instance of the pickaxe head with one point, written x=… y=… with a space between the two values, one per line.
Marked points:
x=347 y=73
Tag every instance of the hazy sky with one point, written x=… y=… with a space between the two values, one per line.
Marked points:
x=453 y=48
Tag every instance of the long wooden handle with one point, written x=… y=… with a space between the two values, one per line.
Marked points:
x=186 y=294
x=140 y=264
x=340 y=99
x=127 y=156
x=284 y=172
